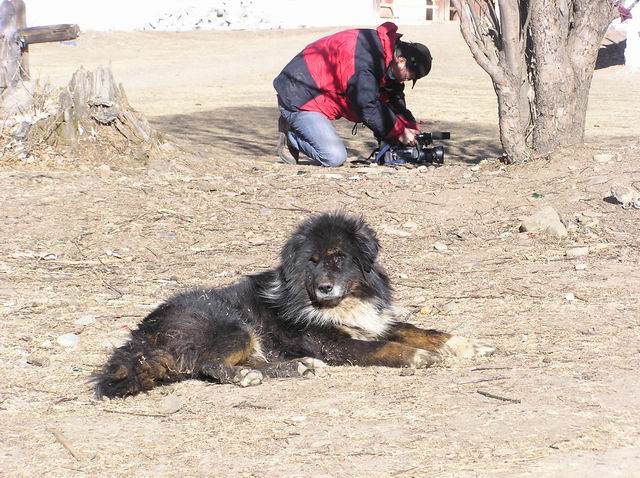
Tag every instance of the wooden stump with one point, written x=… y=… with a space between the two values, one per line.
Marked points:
x=92 y=118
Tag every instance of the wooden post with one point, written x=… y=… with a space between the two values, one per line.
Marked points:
x=10 y=51
x=21 y=22
x=15 y=39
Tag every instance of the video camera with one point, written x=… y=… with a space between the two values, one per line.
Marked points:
x=395 y=153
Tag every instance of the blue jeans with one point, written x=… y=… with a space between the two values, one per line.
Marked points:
x=314 y=135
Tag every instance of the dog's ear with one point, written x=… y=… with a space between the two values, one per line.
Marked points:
x=367 y=245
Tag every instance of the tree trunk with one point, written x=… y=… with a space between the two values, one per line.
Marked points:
x=540 y=55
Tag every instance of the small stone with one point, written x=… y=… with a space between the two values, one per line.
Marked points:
x=395 y=232
x=475 y=168
x=602 y=157
x=423 y=169
x=69 y=340
x=171 y=404
x=439 y=246
x=570 y=297
x=104 y=171
x=257 y=241
x=426 y=310
x=403 y=276
x=115 y=342
x=577 y=252
x=85 y=320
x=545 y=220
x=47 y=344
x=581 y=267
x=407 y=372
x=38 y=360
x=623 y=194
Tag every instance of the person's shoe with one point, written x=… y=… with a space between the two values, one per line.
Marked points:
x=286 y=152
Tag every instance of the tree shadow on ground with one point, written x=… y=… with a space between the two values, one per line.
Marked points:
x=252 y=132
x=611 y=53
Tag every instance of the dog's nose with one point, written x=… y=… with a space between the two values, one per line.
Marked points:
x=325 y=287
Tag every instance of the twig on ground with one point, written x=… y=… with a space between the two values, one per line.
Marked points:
x=139 y=414
x=492 y=379
x=294 y=208
x=498 y=397
x=65 y=443
x=477 y=369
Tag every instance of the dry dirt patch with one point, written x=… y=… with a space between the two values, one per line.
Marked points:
x=90 y=246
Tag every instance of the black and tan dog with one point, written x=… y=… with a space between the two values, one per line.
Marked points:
x=328 y=302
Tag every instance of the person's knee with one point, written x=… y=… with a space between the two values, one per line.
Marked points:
x=334 y=157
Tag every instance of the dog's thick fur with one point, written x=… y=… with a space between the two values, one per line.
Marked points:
x=328 y=302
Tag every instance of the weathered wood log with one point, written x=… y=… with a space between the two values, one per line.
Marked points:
x=50 y=33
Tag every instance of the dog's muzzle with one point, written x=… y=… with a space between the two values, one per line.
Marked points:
x=328 y=294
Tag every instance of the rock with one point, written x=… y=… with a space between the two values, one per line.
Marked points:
x=426 y=310
x=391 y=231
x=475 y=168
x=580 y=266
x=104 y=171
x=38 y=360
x=545 y=220
x=85 y=320
x=570 y=297
x=439 y=246
x=69 y=340
x=625 y=195
x=257 y=241
x=423 y=169
x=577 y=252
x=114 y=342
x=171 y=404
x=603 y=157
x=47 y=344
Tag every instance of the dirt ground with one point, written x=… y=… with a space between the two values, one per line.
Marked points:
x=90 y=245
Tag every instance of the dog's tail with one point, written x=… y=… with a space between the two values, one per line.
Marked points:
x=133 y=368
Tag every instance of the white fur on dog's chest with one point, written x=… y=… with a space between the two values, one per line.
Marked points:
x=360 y=319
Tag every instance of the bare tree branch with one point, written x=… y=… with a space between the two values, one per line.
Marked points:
x=511 y=38
x=478 y=50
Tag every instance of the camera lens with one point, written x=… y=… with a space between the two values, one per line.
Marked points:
x=432 y=155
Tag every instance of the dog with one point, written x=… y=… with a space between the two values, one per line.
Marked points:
x=329 y=302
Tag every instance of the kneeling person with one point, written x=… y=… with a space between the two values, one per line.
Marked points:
x=356 y=74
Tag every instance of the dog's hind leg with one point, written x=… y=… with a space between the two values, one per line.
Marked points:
x=436 y=341
x=228 y=359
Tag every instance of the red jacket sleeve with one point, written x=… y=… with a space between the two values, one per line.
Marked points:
x=399 y=126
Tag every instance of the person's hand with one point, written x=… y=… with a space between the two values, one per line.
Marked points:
x=408 y=136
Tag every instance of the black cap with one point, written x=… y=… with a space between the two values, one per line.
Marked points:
x=418 y=59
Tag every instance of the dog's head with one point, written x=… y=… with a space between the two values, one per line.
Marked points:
x=332 y=254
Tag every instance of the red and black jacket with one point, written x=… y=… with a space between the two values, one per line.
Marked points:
x=343 y=75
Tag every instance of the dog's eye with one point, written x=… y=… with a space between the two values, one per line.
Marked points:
x=315 y=258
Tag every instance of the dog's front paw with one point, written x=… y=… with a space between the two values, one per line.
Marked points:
x=248 y=377
x=311 y=367
x=424 y=359
x=467 y=348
